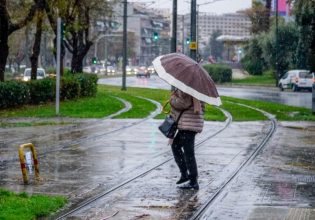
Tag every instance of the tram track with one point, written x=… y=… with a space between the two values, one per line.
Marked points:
x=58 y=147
x=144 y=173
x=205 y=209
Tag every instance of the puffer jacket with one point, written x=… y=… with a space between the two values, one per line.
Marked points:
x=189 y=120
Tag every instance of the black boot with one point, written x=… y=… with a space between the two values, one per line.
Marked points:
x=183 y=178
x=192 y=184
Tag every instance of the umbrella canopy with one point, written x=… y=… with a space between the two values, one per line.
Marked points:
x=188 y=76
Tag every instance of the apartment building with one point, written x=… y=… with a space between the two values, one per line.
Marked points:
x=146 y=23
x=233 y=24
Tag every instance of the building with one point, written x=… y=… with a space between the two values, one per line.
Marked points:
x=232 y=24
x=151 y=30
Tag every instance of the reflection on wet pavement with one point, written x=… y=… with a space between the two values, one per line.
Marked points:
x=278 y=184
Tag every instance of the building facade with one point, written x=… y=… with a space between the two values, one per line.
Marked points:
x=232 y=24
x=151 y=29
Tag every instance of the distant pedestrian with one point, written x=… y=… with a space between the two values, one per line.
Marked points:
x=183 y=146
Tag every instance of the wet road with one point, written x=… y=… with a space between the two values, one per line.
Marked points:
x=300 y=99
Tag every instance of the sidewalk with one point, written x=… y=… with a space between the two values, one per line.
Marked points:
x=278 y=184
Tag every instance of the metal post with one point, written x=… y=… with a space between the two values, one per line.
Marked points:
x=124 y=47
x=277 y=39
x=105 y=55
x=58 y=65
x=313 y=98
x=193 y=53
x=174 y=27
x=183 y=34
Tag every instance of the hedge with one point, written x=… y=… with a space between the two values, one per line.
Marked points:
x=17 y=93
x=219 y=73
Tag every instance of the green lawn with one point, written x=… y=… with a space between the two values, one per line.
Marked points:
x=104 y=104
x=22 y=206
x=266 y=79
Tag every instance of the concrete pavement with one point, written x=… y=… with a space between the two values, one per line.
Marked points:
x=278 y=184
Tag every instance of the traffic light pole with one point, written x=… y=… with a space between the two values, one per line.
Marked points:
x=277 y=42
x=193 y=52
x=124 y=47
x=174 y=27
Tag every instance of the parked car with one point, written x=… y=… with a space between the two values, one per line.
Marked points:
x=142 y=71
x=41 y=74
x=296 y=80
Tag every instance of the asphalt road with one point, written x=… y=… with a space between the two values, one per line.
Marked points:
x=300 y=99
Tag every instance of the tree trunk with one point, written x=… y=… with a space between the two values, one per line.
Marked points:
x=4 y=34
x=79 y=51
x=36 y=46
x=267 y=16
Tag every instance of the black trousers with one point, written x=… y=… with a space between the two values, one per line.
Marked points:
x=183 y=148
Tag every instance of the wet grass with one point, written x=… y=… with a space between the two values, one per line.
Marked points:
x=22 y=206
x=266 y=79
x=104 y=104
x=93 y=107
x=282 y=112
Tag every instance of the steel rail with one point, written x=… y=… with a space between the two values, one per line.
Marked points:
x=103 y=194
x=199 y=214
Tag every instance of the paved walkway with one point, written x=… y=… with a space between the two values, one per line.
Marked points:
x=278 y=184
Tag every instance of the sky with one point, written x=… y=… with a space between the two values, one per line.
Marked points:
x=217 y=7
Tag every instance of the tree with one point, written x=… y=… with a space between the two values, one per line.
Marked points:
x=216 y=47
x=259 y=15
x=76 y=15
x=39 y=28
x=304 y=11
x=8 y=25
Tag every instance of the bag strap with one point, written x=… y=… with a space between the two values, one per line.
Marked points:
x=180 y=114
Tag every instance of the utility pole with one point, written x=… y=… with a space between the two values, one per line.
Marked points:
x=59 y=36
x=174 y=27
x=124 y=47
x=183 y=34
x=277 y=42
x=193 y=44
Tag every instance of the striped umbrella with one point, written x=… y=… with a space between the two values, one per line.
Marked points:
x=188 y=76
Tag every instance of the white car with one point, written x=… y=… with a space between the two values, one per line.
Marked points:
x=296 y=80
x=41 y=74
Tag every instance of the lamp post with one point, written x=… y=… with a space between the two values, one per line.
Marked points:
x=174 y=27
x=124 y=47
x=277 y=42
x=193 y=18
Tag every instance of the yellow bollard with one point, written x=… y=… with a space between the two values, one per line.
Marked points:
x=23 y=162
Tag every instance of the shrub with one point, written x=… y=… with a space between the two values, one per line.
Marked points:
x=13 y=93
x=70 y=88
x=16 y=93
x=88 y=84
x=42 y=90
x=219 y=73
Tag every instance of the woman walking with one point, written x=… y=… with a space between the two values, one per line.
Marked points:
x=183 y=146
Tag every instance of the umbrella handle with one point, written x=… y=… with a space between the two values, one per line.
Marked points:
x=164 y=108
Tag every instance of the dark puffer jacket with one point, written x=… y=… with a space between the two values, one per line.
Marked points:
x=189 y=120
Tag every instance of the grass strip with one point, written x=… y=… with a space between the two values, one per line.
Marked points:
x=104 y=104
x=282 y=112
x=21 y=206
x=93 y=107
x=263 y=80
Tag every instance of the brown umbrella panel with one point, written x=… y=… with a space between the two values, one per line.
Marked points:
x=188 y=76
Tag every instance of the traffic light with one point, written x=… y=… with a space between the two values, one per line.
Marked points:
x=155 y=36
x=63 y=30
x=187 y=40
x=94 y=60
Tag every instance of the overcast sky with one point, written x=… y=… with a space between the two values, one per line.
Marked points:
x=218 y=6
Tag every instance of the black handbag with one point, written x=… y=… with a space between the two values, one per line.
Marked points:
x=169 y=125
